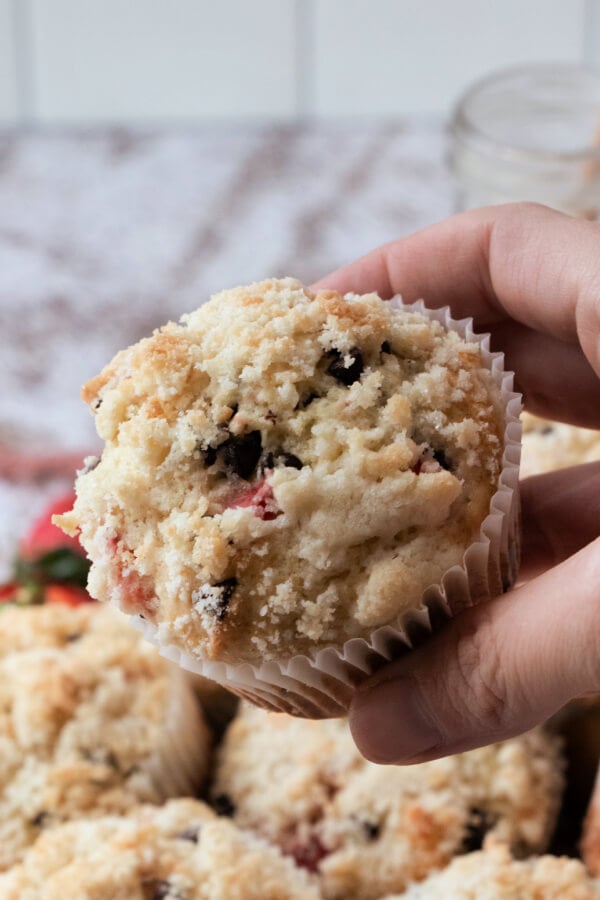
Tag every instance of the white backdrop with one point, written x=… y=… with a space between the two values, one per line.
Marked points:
x=88 y=61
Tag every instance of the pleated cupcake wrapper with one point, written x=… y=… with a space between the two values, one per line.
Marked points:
x=179 y=765
x=321 y=685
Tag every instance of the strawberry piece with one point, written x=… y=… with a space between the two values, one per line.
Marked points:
x=67 y=594
x=261 y=499
x=43 y=536
x=307 y=854
x=51 y=567
x=8 y=592
x=48 y=557
x=33 y=594
x=139 y=598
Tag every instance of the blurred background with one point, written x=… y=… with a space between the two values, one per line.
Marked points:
x=196 y=61
x=154 y=151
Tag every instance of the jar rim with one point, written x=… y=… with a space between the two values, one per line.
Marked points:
x=464 y=128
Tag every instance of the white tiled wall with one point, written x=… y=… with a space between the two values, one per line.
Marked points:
x=385 y=56
x=9 y=105
x=158 y=60
x=138 y=59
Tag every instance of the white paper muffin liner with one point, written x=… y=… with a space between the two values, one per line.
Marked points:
x=179 y=765
x=321 y=685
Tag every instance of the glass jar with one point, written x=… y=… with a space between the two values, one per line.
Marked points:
x=529 y=133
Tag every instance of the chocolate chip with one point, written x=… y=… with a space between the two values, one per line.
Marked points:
x=479 y=823
x=307 y=400
x=157 y=889
x=75 y=636
x=100 y=757
x=223 y=805
x=190 y=834
x=441 y=459
x=340 y=371
x=219 y=595
x=41 y=819
x=241 y=453
x=112 y=761
x=371 y=829
x=268 y=461
x=210 y=455
x=386 y=347
x=290 y=460
x=547 y=429
x=97 y=403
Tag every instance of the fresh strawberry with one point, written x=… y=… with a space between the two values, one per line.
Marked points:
x=67 y=594
x=34 y=594
x=8 y=592
x=51 y=567
x=44 y=536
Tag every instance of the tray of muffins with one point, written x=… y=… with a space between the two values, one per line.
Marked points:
x=290 y=494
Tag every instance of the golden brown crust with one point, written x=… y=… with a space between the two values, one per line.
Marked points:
x=180 y=851
x=286 y=470
x=372 y=829
x=493 y=875
x=89 y=715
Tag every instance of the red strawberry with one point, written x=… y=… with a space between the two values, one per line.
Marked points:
x=33 y=594
x=51 y=566
x=8 y=592
x=67 y=594
x=44 y=536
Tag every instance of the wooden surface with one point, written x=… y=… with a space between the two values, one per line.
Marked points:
x=106 y=235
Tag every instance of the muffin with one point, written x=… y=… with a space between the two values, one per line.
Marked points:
x=286 y=471
x=493 y=875
x=181 y=851
x=367 y=829
x=554 y=445
x=92 y=721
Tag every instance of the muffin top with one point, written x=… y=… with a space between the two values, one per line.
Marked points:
x=286 y=470
x=84 y=710
x=369 y=829
x=180 y=851
x=554 y=445
x=493 y=875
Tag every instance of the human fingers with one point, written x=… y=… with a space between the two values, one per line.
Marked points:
x=555 y=378
x=519 y=263
x=561 y=514
x=494 y=671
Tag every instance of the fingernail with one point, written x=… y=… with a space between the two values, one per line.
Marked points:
x=389 y=724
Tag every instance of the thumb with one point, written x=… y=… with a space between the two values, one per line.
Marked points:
x=494 y=671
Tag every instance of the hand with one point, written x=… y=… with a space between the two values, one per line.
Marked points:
x=531 y=276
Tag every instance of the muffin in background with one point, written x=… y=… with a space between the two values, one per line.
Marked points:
x=492 y=874
x=368 y=830
x=92 y=721
x=553 y=445
x=180 y=851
